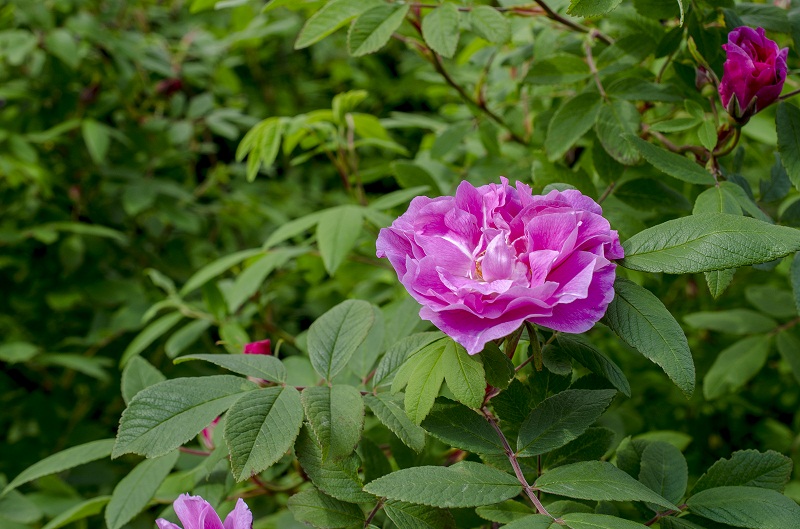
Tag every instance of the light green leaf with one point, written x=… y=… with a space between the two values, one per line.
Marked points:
x=250 y=280
x=397 y=198
x=62 y=44
x=711 y=241
x=440 y=29
x=463 y=428
x=644 y=323
x=490 y=24
x=336 y=417
x=423 y=375
x=185 y=336
x=591 y=444
x=615 y=122
x=591 y=8
x=597 y=480
x=746 y=507
x=596 y=362
x=337 y=233
x=136 y=489
x=748 y=468
x=97 y=138
x=150 y=334
x=14 y=352
x=560 y=419
x=670 y=163
x=504 y=512
x=397 y=354
x=787 y=122
x=734 y=321
x=66 y=459
x=320 y=510
x=572 y=120
x=215 y=268
x=293 y=228
x=736 y=365
x=331 y=17
x=411 y=516
x=373 y=29
x=664 y=470
x=137 y=375
x=581 y=520
x=465 y=484
x=389 y=410
x=166 y=415
x=79 y=512
x=260 y=427
x=464 y=374
x=335 y=336
x=265 y=367
x=707 y=134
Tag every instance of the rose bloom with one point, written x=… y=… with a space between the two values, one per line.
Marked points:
x=196 y=513
x=485 y=261
x=753 y=73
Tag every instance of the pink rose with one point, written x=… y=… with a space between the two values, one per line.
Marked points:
x=753 y=73
x=196 y=513
x=485 y=261
x=258 y=348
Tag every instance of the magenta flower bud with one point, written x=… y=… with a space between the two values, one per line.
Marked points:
x=258 y=348
x=483 y=262
x=196 y=513
x=753 y=73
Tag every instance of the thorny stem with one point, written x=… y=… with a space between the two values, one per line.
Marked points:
x=512 y=458
x=373 y=512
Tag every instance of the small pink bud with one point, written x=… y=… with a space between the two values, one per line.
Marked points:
x=258 y=348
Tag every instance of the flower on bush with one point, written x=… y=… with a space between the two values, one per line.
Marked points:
x=490 y=258
x=753 y=73
x=196 y=513
x=258 y=348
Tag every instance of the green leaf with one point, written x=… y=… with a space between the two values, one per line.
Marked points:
x=331 y=17
x=363 y=360
x=137 y=488
x=734 y=321
x=14 y=352
x=260 y=427
x=315 y=508
x=597 y=480
x=465 y=484
x=591 y=444
x=615 y=122
x=716 y=199
x=215 y=268
x=534 y=521
x=711 y=241
x=707 y=134
x=463 y=428
x=794 y=279
x=78 y=512
x=748 y=468
x=411 y=516
x=560 y=419
x=250 y=280
x=373 y=29
x=150 y=334
x=335 y=477
x=789 y=349
x=336 y=417
x=591 y=8
x=337 y=233
x=772 y=300
x=398 y=353
x=581 y=520
x=464 y=374
x=504 y=512
x=644 y=323
x=718 y=280
x=558 y=69
x=66 y=459
x=137 y=375
x=62 y=44
x=293 y=228
x=498 y=367
x=185 y=336
x=736 y=365
x=596 y=362
x=675 y=165
x=389 y=410
x=397 y=198
x=97 y=138
x=746 y=507
x=572 y=120
x=440 y=30
x=265 y=367
x=787 y=122
x=670 y=522
x=335 y=336
x=664 y=470
x=490 y=24
x=423 y=375
x=166 y=415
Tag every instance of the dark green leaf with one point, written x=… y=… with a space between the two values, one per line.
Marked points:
x=672 y=164
x=320 y=510
x=664 y=470
x=736 y=365
x=571 y=121
x=411 y=516
x=335 y=336
x=137 y=375
x=746 y=507
x=596 y=362
x=591 y=444
x=265 y=367
x=615 y=123
x=463 y=428
x=747 y=468
x=734 y=321
x=134 y=491
x=336 y=417
x=389 y=410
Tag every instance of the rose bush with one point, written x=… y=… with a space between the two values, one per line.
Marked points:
x=490 y=258
x=753 y=74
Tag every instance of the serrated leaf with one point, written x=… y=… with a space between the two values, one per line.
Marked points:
x=596 y=362
x=315 y=508
x=335 y=336
x=465 y=484
x=260 y=427
x=560 y=419
x=581 y=520
x=336 y=417
x=164 y=416
x=591 y=8
x=422 y=374
x=533 y=521
x=490 y=24
x=440 y=30
x=411 y=516
x=787 y=122
x=670 y=163
x=137 y=488
x=463 y=428
x=464 y=374
x=716 y=199
x=337 y=232
x=373 y=29
x=707 y=134
x=329 y=18
x=265 y=367
x=504 y=512
x=389 y=410
x=137 y=375
x=398 y=353
x=735 y=365
x=150 y=334
x=718 y=280
x=591 y=444
x=335 y=477
x=261 y=145
x=597 y=480
x=734 y=321
x=664 y=470
x=615 y=122
x=572 y=120
x=64 y=460
x=644 y=323
x=711 y=241
x=498 y=367
x=78 y=512
x=747 y=468
x=746 y=507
